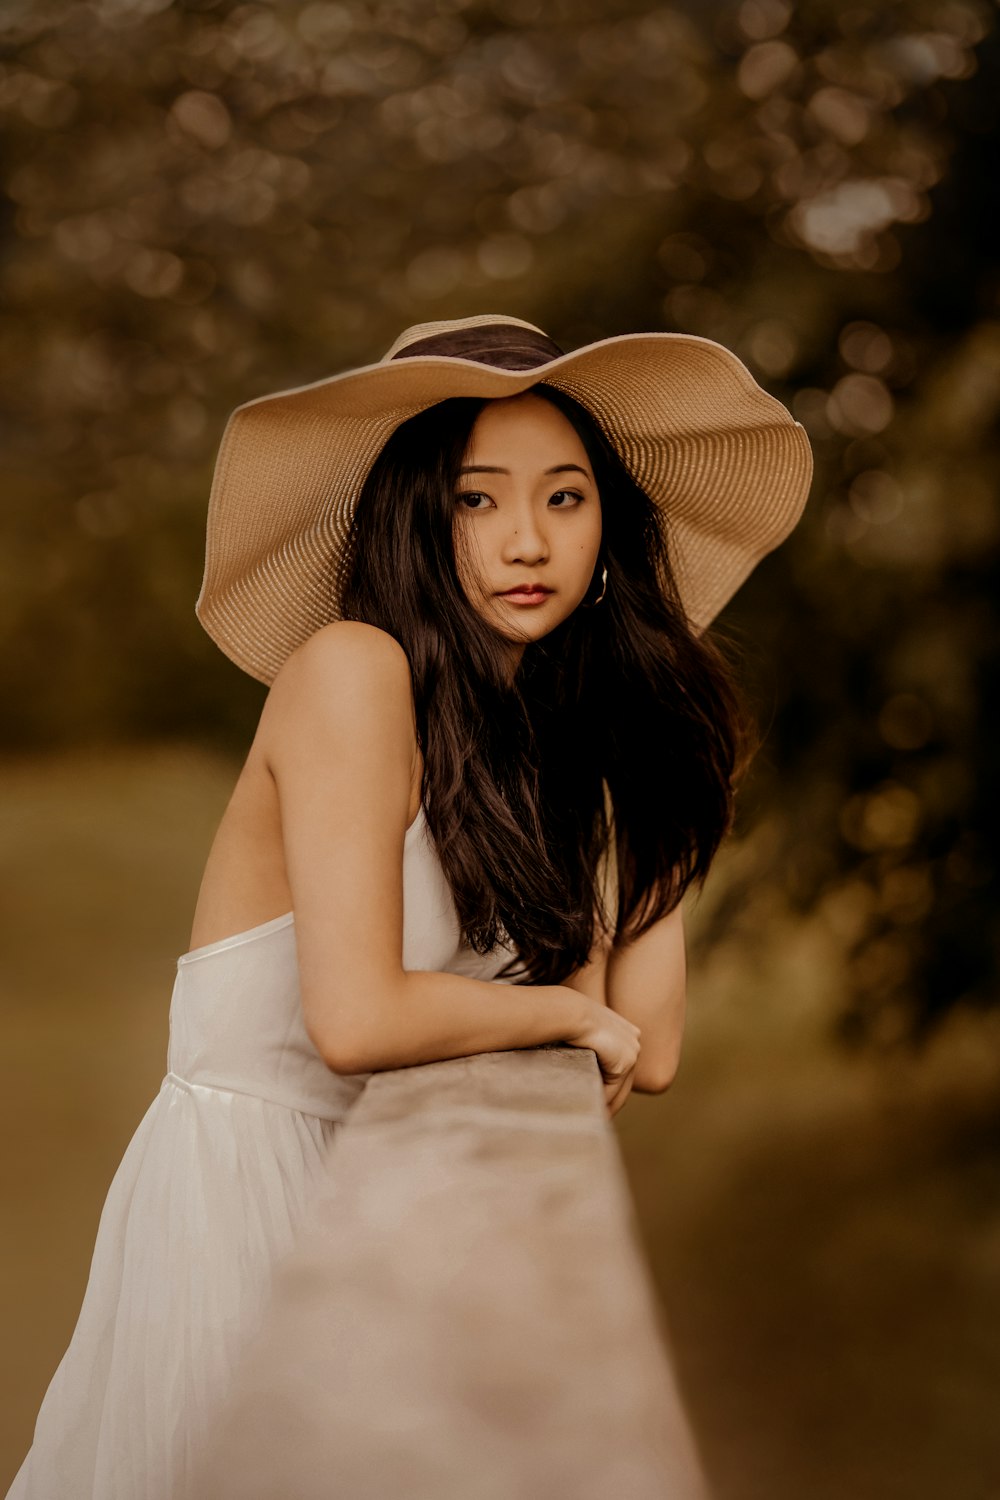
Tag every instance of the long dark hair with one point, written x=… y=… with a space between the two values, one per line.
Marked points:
x=623 y=693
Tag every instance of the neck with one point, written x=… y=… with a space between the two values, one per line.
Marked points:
x=515 y=654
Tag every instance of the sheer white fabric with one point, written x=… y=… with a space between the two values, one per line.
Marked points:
x=207 y=1197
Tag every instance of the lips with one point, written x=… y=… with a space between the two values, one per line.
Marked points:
x=527 y=588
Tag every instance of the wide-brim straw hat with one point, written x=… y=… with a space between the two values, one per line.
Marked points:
x=725 y=462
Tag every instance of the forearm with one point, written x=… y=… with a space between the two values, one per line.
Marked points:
x=646 y=982
x=592 y=980
x=435 y=1015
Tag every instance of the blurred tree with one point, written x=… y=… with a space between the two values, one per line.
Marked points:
x=205 y=201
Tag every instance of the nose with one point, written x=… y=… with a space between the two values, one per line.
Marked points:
x=526 y=540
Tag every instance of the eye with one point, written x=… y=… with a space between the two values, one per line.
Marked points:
x=465 y=495
x=574 y=494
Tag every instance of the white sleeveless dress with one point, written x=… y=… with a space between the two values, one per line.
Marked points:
x=206 y=1198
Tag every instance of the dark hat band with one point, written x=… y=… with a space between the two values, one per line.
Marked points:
x=506 y=345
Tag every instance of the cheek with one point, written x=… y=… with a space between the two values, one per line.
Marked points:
x=592 y=533
x=468 y=559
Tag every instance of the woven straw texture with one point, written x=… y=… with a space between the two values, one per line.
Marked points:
x=726 y=463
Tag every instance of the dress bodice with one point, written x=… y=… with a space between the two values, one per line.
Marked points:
x=236 y=1017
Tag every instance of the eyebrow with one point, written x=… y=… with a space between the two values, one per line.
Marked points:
x=557 y=469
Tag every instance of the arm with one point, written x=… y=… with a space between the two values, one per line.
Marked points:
x=338 y=736
x=645 y=981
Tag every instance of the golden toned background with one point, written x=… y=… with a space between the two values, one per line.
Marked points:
x=203 y=202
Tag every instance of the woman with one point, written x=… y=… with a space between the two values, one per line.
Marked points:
x=495 y=753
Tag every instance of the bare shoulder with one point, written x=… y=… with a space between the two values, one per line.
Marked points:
x=346 y=654
x=346 y=673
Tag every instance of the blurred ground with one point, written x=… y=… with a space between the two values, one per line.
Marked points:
x=824 y=1231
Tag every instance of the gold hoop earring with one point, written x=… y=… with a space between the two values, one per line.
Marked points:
x=604 y=583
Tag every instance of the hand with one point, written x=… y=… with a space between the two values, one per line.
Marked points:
x=615 y=1040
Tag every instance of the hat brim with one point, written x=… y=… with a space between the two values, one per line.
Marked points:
x=726 y=463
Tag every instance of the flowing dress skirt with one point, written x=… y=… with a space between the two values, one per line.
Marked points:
x=205 y=1201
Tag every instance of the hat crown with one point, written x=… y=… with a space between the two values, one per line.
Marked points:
x=445 y=326
x=503 y=342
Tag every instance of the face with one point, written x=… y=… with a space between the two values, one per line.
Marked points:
x=527 y=513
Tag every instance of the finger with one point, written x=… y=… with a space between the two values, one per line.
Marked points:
x=618 y=1105
x=620 y=1102
x=613 y=1082
x=619 y=1076
x=617 y=1095
x=624 y=1097
x=620 y=1092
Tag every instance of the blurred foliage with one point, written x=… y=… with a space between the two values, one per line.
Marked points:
x=204 y=201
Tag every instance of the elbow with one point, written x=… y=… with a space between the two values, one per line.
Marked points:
x=350 y=1038
x=342 y=1050
x=345 y=1060
x=654 y=1075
